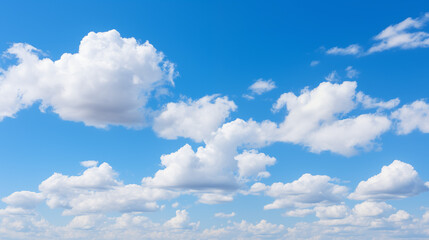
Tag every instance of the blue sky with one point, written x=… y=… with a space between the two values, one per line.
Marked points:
x=214 y=120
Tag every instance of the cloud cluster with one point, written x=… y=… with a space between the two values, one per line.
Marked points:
x=96 y=190
x=313 y=119
x=108 y=82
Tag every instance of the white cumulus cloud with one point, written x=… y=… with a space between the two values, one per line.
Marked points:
x=309 y=190
x=108 y=82
x=412 y=116
x=398 y=180
x=193 y=119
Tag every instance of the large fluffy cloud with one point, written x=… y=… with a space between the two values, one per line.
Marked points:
x=193 y=119
x=412 y=116
x=213 y=166
x=108 y=82
x=313 y=119
x=398 y=180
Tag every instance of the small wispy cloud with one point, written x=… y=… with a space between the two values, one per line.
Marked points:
x=262 y=86
x=402 y=35
x=353 y=49
x=314 y=63
x=351 y=72
x=224 y=215
x=332 y=77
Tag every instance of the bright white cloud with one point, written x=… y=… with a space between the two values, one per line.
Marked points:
x=401 y=35
x=309 y=190
x=108 y=82
x=313 y=119
x=398 y=180
x=262 y=86
x=372 y=209
x=412 y=116
x=253 y=164
x=193 y=119
x=353 y=49
x=97 y=190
